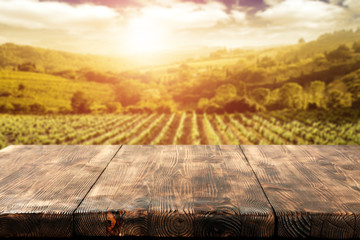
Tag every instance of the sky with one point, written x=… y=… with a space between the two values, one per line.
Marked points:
x=136 y=27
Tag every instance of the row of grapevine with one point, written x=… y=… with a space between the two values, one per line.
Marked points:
x=176 y=128
x=317 y=132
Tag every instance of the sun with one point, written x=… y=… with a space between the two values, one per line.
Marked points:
x=144 y=37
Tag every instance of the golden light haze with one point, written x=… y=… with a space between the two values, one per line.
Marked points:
x=146 y=27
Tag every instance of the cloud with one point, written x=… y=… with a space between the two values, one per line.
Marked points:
x=33 y=14
x=302 y=13
x=174 y=24
x=185 y=15
x=353 y=6
x=272 y=2
x=238 y=16
x=288 y=20
x=80 y=28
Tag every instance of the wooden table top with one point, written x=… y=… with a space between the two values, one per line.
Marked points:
x=180 y=191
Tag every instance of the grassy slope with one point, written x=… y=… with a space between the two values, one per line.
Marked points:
x=51 y=91
x=48 y=60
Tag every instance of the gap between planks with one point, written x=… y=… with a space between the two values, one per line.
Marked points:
x=112 y=158
x=320 y=182
x=148 y=157
x=97 y=179
x=266 y=196
x=351 y=161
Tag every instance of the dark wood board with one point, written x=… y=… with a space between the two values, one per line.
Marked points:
x=178 y=191
x=315 y=190
x=41 y=186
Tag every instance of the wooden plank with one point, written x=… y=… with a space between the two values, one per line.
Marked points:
x=41 y=186
x=340 y=171
x=313 y=189
x=177 y=191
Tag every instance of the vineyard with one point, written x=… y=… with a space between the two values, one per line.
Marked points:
x=179 y=128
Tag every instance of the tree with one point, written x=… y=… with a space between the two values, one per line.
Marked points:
x=224 y=94
x=21 y=87
x=240 y=105
x=241 y=89
x=4 y=93
x=94 y=76
x=209 y=106
x=261 y=96
x=37 y=108
x=27 y=67
x=79 y=103
x=317 y=93
x=341 y=53
x=267 y=62
x=354 y=89
x=301 y=41
x=112 y=107
x=338 y=99
x=203 y=103
x=128 y=92
x=6 y=107
x=20 y=107
x=291 y=96
x=356 y=46
x=319 y=59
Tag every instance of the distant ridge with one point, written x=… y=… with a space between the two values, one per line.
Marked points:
x=46 y=60
x=327 y=42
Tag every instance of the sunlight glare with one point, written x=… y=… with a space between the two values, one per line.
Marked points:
x=144 y=37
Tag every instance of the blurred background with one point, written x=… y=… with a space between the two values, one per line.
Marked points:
x=179 y=72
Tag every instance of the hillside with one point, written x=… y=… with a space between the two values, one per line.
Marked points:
x=300 y=76
x=20 y=90
x=324 y=43
x=12 y=55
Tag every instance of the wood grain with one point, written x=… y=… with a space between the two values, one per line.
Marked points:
x=177 y=191
x=313 y=189
x=41 y=186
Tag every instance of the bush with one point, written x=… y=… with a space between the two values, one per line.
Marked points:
x=63 y=110
x=6 y=107
x=21 y=108
x=113 y=107
x=241 y=105
x=137 y=109
x=69 y=74
x=37 y=108
x=339 y=54
x=356 y=47
x=79 y=103
x=27 y=67
x=261 y=95
x=338 y=99
x=4 y=93
x=100 y=77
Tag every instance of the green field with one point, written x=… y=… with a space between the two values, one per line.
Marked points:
x=48 y=90
x=278 y=127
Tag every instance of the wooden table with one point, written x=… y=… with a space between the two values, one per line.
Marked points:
x=180 y=191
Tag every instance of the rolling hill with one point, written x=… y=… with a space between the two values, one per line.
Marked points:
x=46 y=60
x=52 y=92
x=53 y=77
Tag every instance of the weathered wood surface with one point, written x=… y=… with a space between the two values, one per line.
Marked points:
x=199 y=191
x=163 y=191
x=315 y=190
x=41 y=186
